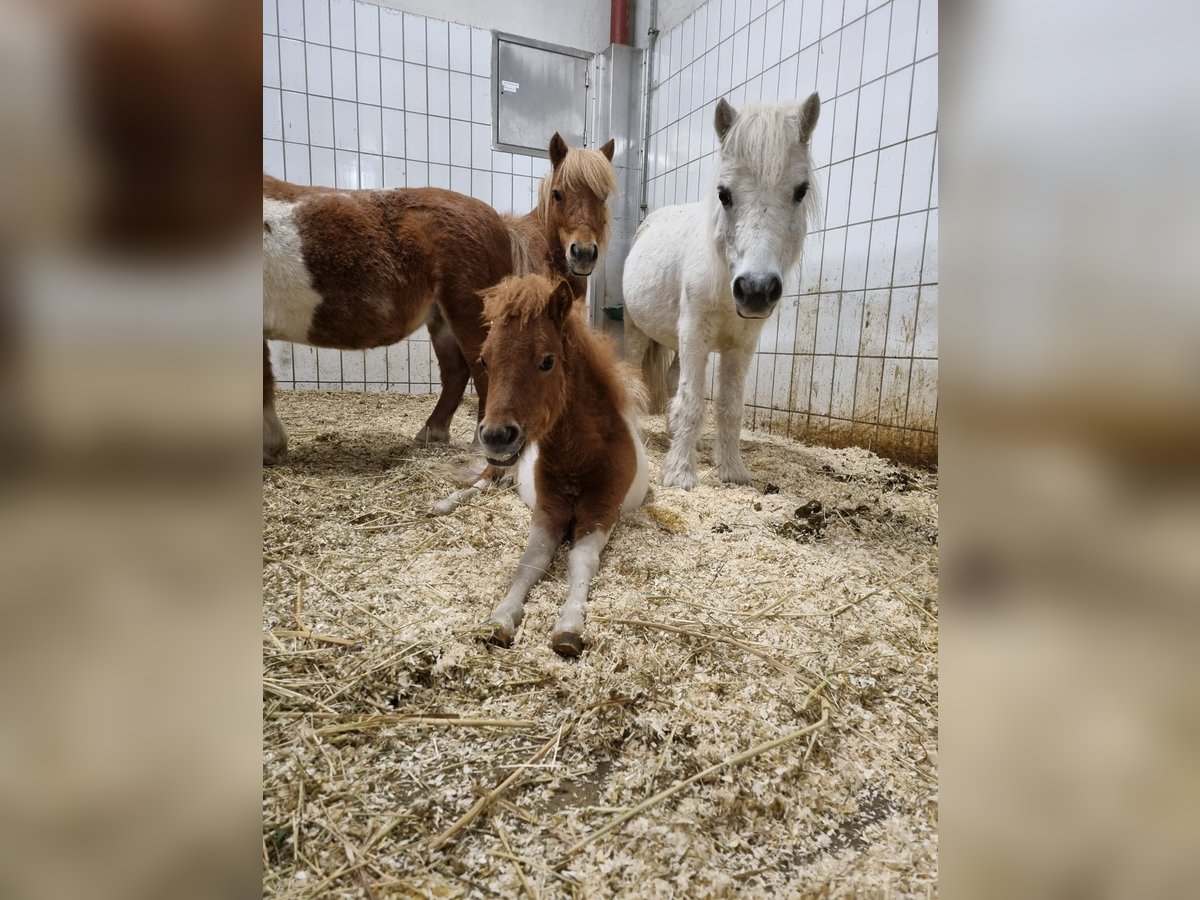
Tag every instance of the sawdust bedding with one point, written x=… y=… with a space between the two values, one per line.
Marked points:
x=721 y=620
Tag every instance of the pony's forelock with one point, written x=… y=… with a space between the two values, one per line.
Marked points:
x=581 y=168
x=523 y=298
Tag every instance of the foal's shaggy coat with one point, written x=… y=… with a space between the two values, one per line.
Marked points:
x=365 y=268
x=706 y=276
x=564 y=410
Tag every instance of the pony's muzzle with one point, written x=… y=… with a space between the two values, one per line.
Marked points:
x=502 y=444
x=582 y=256
x=756 y=294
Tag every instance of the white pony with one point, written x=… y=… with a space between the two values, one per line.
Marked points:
x=706 y=276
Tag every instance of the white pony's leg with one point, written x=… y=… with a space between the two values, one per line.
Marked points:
x=731 y=402
x=582 y=564
x=686 y=412
x=506 y=617
x=274 y=437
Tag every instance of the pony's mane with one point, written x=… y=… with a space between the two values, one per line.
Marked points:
x=522 y=298
x=580 y=168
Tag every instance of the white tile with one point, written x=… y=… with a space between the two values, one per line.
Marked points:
x=319 y=70
x=713 y=25
x=929 y=272
x=393 y=176
x=806 y=75
x=481 y=185
x=368 y=78
x=370 y=129
x=785 y=336
x=392 y=81
x=295 y=160
x=345 y=78
x=754 y=89
x=700 y=38
x=304 y=362
x=270 y=61
x=918 y=171
x=272 y=115
x=397 y=362
x=393 y=132
x=821 y=386
x=922 y=395
x=874 y=323
x=923 y=115
x=460 y=146
x=481 y=52
x=933 y=188
x=345 y=125
x=352 y=372
x=837 y=194
x=460 y=48
x=902 y=44
x=741 y=14
x=414 y=88
x=854 y=9
x=902 y=321
x=521 y=164
x=291 y=65
x=366 y=27
x=439 y=176
x=810 y=23
x=845 y=375
x=893 y=394
x=501 y=162
x=481 y=100
x=737 y=96
x=926 y=342
x=439 y=140
x=866 y=390
x=802 y=368
x=414 y=38
x=831 y=16
x=322 y=167
x=481 y=147
x=439 y=92
x=460 y=177
x=875 y=50
x=781 y=383
x=370 y=171
x=862 y=187
x=889 y=180
x=416 y=137
x=896 y=91
x=927 y=29
x=870 y=115
x=741 y=46
x=724 y=66
x=295 y=117
x=437 y=42
x=320 y=121
x=391 y=33
x=687 y=38
x=376 y=365
x=770 y=86
x=858 y=246
x=347 y=169
x=417 y=173
x=273 y=159
x=502 y=191
x=291 y=19
x=831 y=259
x=910 y=244
x=460 y=96
x=786 y=18
x=728 y=14
x=341 y=23
x=844 y=126
x=757 y=48
x=828 y=54
x=850 y=62
x=270 y=17
x=850 y=317
x=316 y=21
x=883 y=252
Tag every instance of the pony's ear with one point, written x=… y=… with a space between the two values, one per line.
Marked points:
x=562 y=299
x=558 y=150
x=607 y=149
x=810 y=111
x=725 y=116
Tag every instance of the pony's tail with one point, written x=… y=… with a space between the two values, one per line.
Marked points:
x=654 y=362
x=522 y=259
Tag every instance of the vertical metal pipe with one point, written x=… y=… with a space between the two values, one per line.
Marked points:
x=619 y=22
x=652 y=32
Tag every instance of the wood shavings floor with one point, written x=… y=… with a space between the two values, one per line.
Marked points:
x=385 y=719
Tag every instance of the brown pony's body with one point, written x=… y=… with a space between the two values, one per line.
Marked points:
x=359 y=269
x=563 y=411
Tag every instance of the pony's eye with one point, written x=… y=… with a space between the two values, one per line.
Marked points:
x=483 y=362
x=547 y=364
x=557 y=196
x=801 y=190
x=724 y=196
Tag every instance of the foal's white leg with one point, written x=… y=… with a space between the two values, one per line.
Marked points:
x=731 y=402
x=448 y=505
x=506 y=617
x=274 y=437
x=582 y=564
x=686 y=412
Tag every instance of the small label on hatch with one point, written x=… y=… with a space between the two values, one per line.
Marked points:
x=509 y=87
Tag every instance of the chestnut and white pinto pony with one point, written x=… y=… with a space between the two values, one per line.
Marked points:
x=562 y=409
x=705 y=276
x=356 y=269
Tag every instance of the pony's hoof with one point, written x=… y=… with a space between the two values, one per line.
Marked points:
x=734 y=474
x=567 y=643
x=274 y=456
x=432 y=435
x=498 y=634
x=685 y=480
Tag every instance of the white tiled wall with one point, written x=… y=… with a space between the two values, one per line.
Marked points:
x=355 y=95
x=851 y=355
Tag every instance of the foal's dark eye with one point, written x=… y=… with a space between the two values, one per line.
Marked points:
x=483 y=362
x=547 y=364
x=557 y=196
x=801 y=190
x=724 y=196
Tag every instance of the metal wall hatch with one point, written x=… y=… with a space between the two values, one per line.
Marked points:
x=537 y=89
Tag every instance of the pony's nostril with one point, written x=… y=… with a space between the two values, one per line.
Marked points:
x=739 y=288
x=774 y=288
x=594 y=253
x=499 y=435
x=573 y=250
